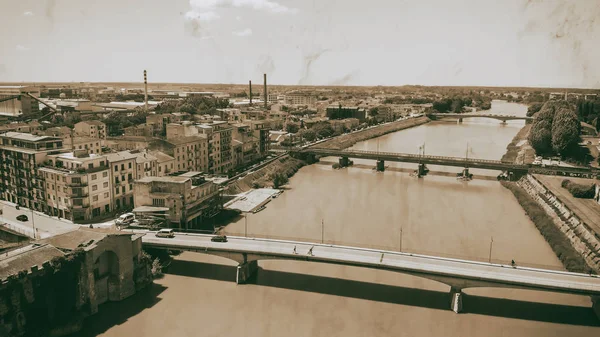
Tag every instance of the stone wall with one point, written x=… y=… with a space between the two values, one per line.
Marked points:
x=581 y=237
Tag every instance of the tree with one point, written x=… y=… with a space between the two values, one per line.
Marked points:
x=373 y=111
x=533 y=108
x=279 y=179
x=309 y=134
x=565 y=131
x=540 y=136
x=292 y=127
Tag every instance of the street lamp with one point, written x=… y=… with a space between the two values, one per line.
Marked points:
x=491 y=244
x=245 y=224
x=400 y=238
x=322 y=231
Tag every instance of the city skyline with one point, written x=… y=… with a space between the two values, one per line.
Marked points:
x=517 y=43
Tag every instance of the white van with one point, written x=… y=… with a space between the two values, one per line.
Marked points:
x=166 y=233
x=125 y=219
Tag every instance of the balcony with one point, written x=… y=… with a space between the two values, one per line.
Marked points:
x=80 y=184
x=79 y=195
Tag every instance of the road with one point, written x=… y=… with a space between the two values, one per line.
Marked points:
x=459 y=273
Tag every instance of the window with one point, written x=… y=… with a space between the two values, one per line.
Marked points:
x=94 y=177
x=129 y=177
x=130 y=187
x=116 y=168
x=105 y=184
x=130 y=165
x=94 y=187
x=58 y=199
x=106 y=194
x=65 y=189
x=122 y=166
x=123 y=178
x=158 y=202
x=104 y=174
x=95 y=198
x=117 y=190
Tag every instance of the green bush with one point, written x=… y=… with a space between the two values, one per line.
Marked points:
x=579 y=190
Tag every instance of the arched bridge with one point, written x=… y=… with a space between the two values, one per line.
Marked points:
x=458 y=274
x=460 y=117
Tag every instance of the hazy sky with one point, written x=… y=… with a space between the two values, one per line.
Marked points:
x=321 y=42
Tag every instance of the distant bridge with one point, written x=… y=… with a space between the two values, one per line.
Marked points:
x=460 y=117
x=466 y=163
x=458 y=274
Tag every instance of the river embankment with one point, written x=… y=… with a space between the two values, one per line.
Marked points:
x=262 y=177
x=347 y=140
x=518 y=150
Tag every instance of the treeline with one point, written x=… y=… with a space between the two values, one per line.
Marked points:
x=589 y=112
x=556 y=130
x=131 y=97
x=407 y=100
x=116 y=122
x=194 y=105
x=456 y=104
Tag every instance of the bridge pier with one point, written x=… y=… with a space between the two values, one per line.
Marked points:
x=380 y=166
x=456 y=299
x=422 y=170
x=596 y=305
x=245 y=271
x=460 y=120
x=465 y=174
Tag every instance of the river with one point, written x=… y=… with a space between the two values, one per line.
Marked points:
x=357 y=206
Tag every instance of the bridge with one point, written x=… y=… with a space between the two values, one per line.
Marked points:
x=458 y=274
x=460 y=117
x=466 y=163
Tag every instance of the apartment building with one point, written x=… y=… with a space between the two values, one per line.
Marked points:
x=190 y=153
x=93 y=128
x=260 y=130
x=245 y=145
x=147 y=164
x=185 y=201
x=164 y=163
x=77 y=185
x=300 y=98
x=220 y=152
x=89 y=144
x=123 y=170
x=21 y=154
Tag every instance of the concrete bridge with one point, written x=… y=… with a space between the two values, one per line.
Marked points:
x=422 y=160
x=460 y=117
x=458 y=274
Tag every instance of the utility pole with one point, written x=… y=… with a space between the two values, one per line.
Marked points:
x=491 y=244
x=322 y=231
x=33 y=223
x=400 y=238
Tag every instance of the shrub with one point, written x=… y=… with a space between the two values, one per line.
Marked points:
x=156 y=269
x=579 y=190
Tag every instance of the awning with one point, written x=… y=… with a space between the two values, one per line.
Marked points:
x=150 y=209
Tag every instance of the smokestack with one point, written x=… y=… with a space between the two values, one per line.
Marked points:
x=250 y=92
x=265 y=89
x=145 y=92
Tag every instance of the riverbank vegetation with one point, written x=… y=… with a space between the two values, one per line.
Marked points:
x=557 y=240
x=579 y=190
x=519 y=151
x=556 y=130
x=285 y=166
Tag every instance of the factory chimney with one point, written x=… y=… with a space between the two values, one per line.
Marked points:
x=250 y=92
x=145 y=92
x=265 y=89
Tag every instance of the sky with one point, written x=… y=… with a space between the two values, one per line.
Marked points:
x=535 y=43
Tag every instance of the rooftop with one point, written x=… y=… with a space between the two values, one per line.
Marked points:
x=185 y=140
x=27 y=136
x=82 y=237
x=24 y=258
x=161 y=156
x=92 y=122
x=122 y=155
x=166 y=179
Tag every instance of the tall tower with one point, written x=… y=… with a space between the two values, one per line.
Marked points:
x=265 y=90
x=250 y=83
x=145 y=92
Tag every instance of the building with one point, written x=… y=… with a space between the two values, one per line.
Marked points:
x=18 y=100
x=147 y=164
x=91 y=145
x=245 y=146
x=300 y=98
x=142 y=130
x=231 y=115
x=185 y=201
x=123 y=170
x=220 y=154
x=128 y=143
x=94 y=129
x=260 y=130
x=189 y=153
x=164 y=162
x=158 y=123
x=57 y=131
x=77 y=185
x=340 y=112
x=21 y=154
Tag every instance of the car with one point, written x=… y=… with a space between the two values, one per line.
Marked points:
x=219 y=238
x=125 y=219
x=22 y=217
x=165 y=233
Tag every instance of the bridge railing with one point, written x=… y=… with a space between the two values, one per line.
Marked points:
x=396 y=249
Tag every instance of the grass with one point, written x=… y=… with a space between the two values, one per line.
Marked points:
x=558 y=241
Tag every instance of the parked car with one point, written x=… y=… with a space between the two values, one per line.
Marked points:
x=166 y=233
x=22 y=217
x=219 y=238
x=125 y=219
